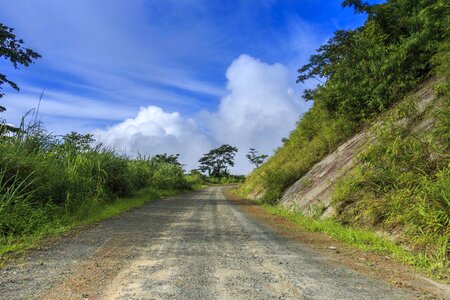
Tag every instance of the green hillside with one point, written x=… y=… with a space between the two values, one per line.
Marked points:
x=401 y=184
x=365 y=71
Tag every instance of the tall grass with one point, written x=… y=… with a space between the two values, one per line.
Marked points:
x=317 y=134
x=402 y=183
x=366 y=240
x=46 y=181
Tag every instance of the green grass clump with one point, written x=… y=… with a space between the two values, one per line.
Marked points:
x=307 y=145
x=49 y=184
x=363 y=239
x=402 y=183
x=198 y=179
x=228 y=179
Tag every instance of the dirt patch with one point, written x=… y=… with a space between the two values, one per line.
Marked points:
x=376 y=266
x=89 y=277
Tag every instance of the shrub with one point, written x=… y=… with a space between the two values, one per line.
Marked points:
x=44 y=179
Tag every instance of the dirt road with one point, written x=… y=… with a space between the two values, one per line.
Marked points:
x=195 y=246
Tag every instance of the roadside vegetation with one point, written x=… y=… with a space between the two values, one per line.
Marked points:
x=215 y=166
x=361 y=73
x=401 y=184
x=363 y=239
x=49 y=184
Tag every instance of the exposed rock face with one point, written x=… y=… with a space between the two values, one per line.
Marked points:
x=312 y=193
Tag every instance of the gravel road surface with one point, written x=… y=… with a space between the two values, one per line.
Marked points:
x=195 y=246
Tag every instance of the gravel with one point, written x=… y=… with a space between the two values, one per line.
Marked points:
x=195 y=246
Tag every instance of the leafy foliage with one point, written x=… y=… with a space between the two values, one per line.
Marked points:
x=361 y=73
x=44 y=179
x=369 y=68
x=78 y=142
x=12 y=49
x=403 y=182
x=167 y=158
x=217 y=161
x=256 y=159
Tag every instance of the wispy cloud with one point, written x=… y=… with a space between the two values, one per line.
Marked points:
x=154 y=76
x=259 y=109
x=57 y=104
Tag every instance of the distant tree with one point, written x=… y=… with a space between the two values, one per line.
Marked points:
x=168 y=158
x=6 y=129
x=256 y=159
x=78 y=142
x=195 y=172
x=217 y=161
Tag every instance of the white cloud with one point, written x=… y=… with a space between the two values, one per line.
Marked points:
x=155 y=131
x=259 y=109
x=64 y=106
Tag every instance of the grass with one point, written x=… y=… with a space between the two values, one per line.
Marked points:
x=13 y=246
x=317 y=134
x=49 y=184
x=402 y=183
x=362 y=239
x=400 y=186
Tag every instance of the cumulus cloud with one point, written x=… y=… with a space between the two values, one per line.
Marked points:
x=155 y=131
x=259 y=109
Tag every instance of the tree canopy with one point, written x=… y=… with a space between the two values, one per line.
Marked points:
x=217 y=161
x=254 y=158
x=167 y=158
x=78 y=142
x=363 y=71
x=11 y=48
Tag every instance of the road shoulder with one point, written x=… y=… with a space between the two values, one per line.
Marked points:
x=373 y=265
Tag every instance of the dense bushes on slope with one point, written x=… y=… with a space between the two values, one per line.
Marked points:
x=402 y=182
x=364 y=72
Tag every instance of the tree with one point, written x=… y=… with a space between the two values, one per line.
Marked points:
x=256 y=159
x=358 y=5
x=365 y=70
x=217 y=161
x=78 y=142
x=11 y=49
x=167 y=158
x=6 y=129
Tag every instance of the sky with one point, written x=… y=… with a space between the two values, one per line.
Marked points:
x=174 y=76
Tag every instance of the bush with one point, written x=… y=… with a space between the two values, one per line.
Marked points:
x=44 y=179
x=364 y=72
x=227 y=179
x=403 y=183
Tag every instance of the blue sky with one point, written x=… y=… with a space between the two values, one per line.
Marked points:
x=154 y=76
